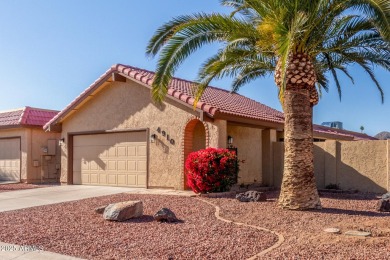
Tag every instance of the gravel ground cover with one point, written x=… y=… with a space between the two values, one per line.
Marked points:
x=73 y=228
x=17 y=186
x=303 y=230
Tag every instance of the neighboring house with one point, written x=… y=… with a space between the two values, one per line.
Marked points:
x=27 y=152
x=321 y=131
x=333 y=124
x=115 y=135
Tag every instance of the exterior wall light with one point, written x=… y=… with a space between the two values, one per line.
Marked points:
x=61 y=141
x=230 y=140
x=153 y=138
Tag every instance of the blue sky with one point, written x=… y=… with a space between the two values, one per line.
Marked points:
x=50 y=51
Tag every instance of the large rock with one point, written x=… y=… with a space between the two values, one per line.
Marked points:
x=123 y=210
x=384 y=203
x=100 y=210
x=251 y=196
x=386 y=196
x=165 y=215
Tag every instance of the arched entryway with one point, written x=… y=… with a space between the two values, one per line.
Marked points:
x=195 y=138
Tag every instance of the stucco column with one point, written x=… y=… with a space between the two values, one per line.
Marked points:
x=330 y=162
x=26 y=148
x=268 y=137
x=218 y=133
x=64 y=163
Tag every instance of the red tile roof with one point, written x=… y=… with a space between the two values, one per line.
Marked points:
x=27 y=116
x=9 y=118
x=341 y=132
x=213 y=101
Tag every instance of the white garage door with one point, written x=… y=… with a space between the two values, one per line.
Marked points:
x=115 y=159
x=10 y=159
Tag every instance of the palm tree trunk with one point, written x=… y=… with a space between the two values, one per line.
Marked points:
x=298 y=189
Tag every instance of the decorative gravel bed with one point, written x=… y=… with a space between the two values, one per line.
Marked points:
x=303 y=230
x=17 y=186
x=73 y=228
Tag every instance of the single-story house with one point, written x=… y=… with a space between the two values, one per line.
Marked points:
x=322 y=133
x=113 y=133
x=27 y=152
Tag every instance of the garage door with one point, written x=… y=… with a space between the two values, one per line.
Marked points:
x=115 y=159
x=10 y=159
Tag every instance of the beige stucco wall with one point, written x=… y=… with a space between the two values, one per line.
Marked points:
x=330 y=162
x=249 y=146
x=278 y=162
x=218 y=133
x=269 y=136
x=46 y=171
x=31 y=141
x=319 y=164
x=353 y=165
x=363 y=165
x=388 y=165
x=127 y=106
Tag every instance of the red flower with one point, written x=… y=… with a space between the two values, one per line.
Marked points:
x=211 y=170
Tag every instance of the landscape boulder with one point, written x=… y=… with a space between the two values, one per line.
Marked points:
x=165 y=215
x=386 y=196
x=251 y=196
x=100 y=210
x=123 y=210
x=384 y=203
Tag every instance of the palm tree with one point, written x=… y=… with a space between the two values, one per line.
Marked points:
x=302 y=41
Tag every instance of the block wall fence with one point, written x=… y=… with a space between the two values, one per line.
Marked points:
x=352 y=165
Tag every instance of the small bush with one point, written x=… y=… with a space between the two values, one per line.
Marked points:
x=332 y=186
x=211 y=170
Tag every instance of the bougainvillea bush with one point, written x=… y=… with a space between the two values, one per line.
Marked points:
x=211 y=170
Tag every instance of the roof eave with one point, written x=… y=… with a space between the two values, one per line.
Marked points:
x=113 y=72
x=177 y=96
x=10 y=126
x=334 y=136
x=248 y=120
x=90 y=90
x=20 y=126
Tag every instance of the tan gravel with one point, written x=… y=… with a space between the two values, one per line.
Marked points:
x=73 y=228
x=17 y=186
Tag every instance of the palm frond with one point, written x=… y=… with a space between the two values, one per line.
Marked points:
x=247 y=76
x=378 y=11
x=334 y=73
x=190 y=35
x=240 y=63
x=165 y=32
x=333 y=33
x=346 y=72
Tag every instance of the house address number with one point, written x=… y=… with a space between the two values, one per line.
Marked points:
x=164 y=134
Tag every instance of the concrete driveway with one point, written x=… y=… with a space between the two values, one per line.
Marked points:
x=8 y=182
x=20 y=199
